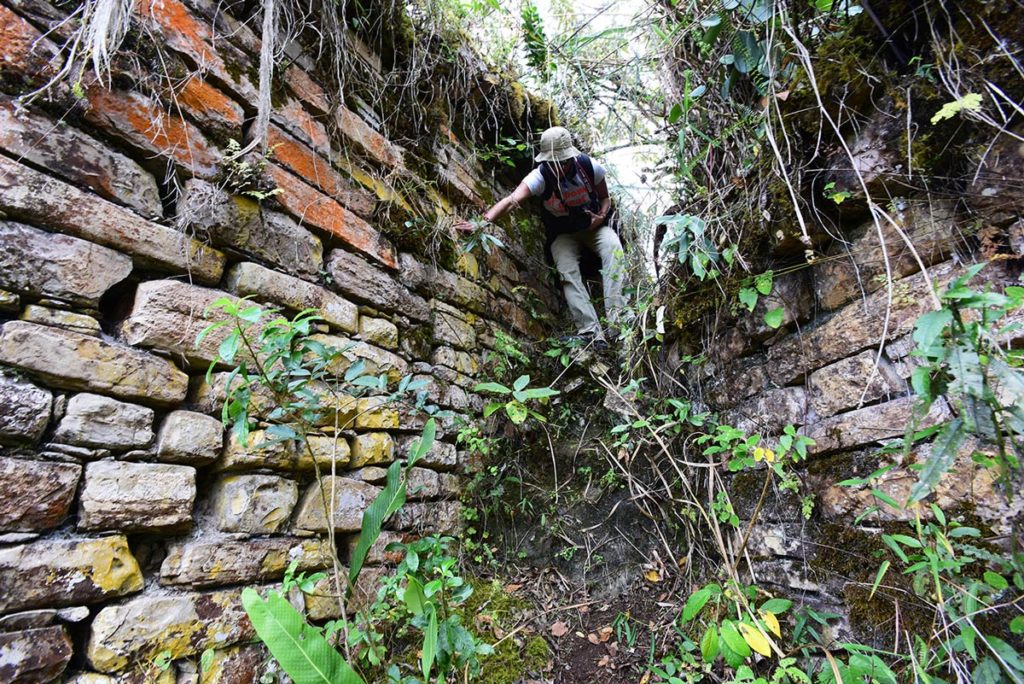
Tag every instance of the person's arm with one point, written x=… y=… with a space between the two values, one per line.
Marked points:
x=502 y=207
x=596 y=220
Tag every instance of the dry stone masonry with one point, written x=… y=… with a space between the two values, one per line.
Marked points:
x=130 y=520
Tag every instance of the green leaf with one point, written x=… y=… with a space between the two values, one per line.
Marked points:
x=695 y=603
x=390 y=499
x=943 y=453
x=491 y=387
x=517 y=413
x=970 y=102
x=206 y=660
x=987 y=672
x=732 y=638
x=415 y=599
x=300 y=648
x=774 y=317
x=429 y=646
x=709 y=645
x=1017 y=625
x=930 y=326
x=882 y=569
x=995 y=580
x=424 y=444
x=521 y=382
x=763 y=282
x=1007 y=653
x=776 y=606
x=748 y=297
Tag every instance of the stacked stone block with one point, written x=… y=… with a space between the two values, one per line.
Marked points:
x=130 y=520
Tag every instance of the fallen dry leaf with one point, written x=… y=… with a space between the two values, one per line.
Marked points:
x=513 y=587
x=646 y=678
x=603 y=662
x=653 y=576
x=592 y=638
x=604 y=633
x=559 y=629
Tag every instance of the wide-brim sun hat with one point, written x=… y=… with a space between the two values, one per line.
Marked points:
x=556 y=145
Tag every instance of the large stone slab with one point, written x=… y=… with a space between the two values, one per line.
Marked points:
x=257 y=504
x=350 y=499
x=77 y=157
x=182 y=624
x=34 y=655
x=67 y=572
x=292 y=293
x=137 y=497
x=451 y=328
x=871 y=424
x=70 y=360
x=378 y=361
x=240 y=223
x=37 y=494
x=34 y=197
x=859 y=265
x=439 y=516
x=372 y=448
x=190 y=438
x=60 y=266
x=92 y=420
x=59 y=318
x=364 y=282
x=854 y=380
x=856 y=326
x=203 y=564
x=770 y=412
x=26 y=410
x=169 y=315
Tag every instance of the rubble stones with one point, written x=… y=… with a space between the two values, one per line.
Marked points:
x=190 y=438
x=257 y=504
x=69 y=360
x=351 y=498
x=69 y=572
x=92 y=420
x=204 y=564
x=53 y=265
x=34 y=655
x=37 y=495
x=137 y=497
x=182 y=624
x=26 y=409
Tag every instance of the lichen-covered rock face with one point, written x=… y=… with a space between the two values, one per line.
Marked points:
x=247 y=561
x=58 y=266
x=298 y=295
x=182 y=624
x=91 y=420
x=67 y=573
x=34 y=655
x=26 y=410
x=137 y=497
x=190 y=438
x=37 y=495
x=258 y=504
x=348 y=499
x=73 y=361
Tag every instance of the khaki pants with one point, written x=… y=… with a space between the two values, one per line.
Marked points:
x=565 y=250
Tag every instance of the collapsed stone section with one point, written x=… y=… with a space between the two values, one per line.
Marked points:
x=130 y=520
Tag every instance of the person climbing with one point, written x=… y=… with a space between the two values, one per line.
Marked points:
x=576 y=212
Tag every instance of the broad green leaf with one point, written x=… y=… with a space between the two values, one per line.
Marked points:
x=424 y=444
x=763 y=282
x=709 y=645
x=390 y=499
x=517 y=413
x=1017 y=625
x=732 y=638
x=774 y=317
x=943 y=453
x=748 y=297
x=429 y=646
x=300 y=648
x=206 y=659
x=1007 y=653
x=930 y=326
x=776 y=606
x=995 y=580
x=521 y=382
x=987 y=672
x=695 y=603
x=491 y=387
x=414 y=597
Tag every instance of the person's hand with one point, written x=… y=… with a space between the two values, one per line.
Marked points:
x=595 y=219
x=464 y=226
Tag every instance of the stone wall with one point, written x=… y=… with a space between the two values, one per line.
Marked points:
x=129 y=522
x=838 y=369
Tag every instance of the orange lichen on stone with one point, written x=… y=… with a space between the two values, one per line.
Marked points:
x=204 y=101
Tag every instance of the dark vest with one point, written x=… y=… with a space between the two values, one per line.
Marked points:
x=578 y=218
